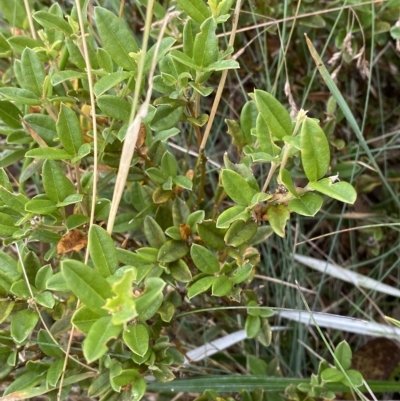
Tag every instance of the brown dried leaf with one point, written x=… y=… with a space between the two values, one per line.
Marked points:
x=73 y=240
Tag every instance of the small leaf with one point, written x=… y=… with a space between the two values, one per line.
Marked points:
x=287 y=182
x=242 y=273
x=52 y=21
x=153 y=232
x=116 y=38
x=10 y=114
x=102 y=251
x=22 y=96
x=95 y=344
x=252 y=326
x=47 y=345
x=48 y=153
x=221 y=286
x=22 y=324
x=314 y=150
x=184 y=59
x=274 y=114
x=278 y=215
x=180 y=271
x=332 y=375
x=308 y=204
x=248 y=119
x=169 y=165
x=341 y=191
x=137 y=338
x=69 y=130
x=171 y=251
x=110 y=81
x=87 y=284
x=180 y=211
x=151 y=299
x=62 y=76
x=237 y=187
x=343 y=355
x=205 y=260
x=166 y=117
x=41 y=206
x=16 y=202
x=84 y=318
x=205 y=48
x=196 y=9
x=33 y=71
x=356 y=378
x=122 y=305
x=56 y=185
x=200 y=286
x=240 y=232
x=232 y=214
x=115 y=107
x=211 y=235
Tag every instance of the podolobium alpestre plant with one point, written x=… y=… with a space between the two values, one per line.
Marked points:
x=166 y=247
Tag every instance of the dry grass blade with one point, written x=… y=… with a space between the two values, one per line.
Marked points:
x=340 y=273
x=133 y=129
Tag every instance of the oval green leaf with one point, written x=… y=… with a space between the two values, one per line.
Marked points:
x=342 y=191
x=205 y=260
x=56 y=185
x=314 y=147
x=171 y=251
x=221 y=286
x=307 y=205
x=95 y=344
x=278 y=215
x=137 y=338
x=200 y=286
x=102 y=251
x=116 y=38
x=87 y=284
x=274 y=114
x=237 y=187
